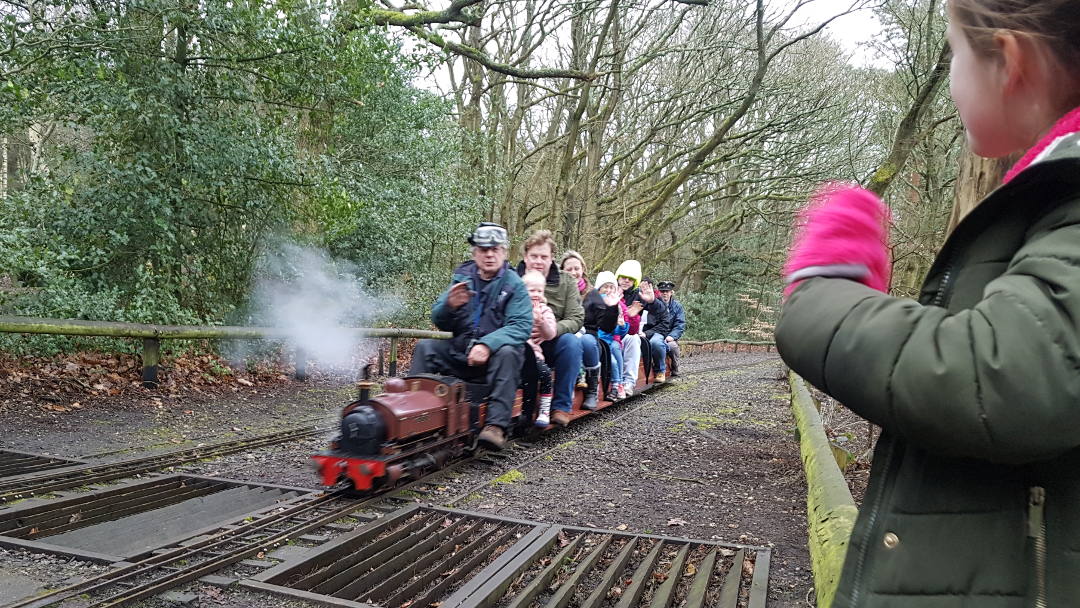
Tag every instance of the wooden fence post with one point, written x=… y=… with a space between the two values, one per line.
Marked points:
x=380 y=358
x=393 y=357
x=151 y=356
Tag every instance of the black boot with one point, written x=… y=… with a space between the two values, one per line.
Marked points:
x=592 y=377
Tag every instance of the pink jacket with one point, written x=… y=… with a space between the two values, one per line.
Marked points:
x=544 y=327
x=634 y=321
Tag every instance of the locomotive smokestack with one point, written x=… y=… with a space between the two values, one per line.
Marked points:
x=365 y=390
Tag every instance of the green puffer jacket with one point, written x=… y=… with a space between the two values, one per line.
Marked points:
x=974 y=494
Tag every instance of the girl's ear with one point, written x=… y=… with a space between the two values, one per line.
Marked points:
x=1022 y=63
x=1012 y=59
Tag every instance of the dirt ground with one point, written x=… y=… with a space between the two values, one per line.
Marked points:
x=710 y=456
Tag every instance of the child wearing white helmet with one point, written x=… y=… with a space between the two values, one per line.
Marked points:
x=638 y=297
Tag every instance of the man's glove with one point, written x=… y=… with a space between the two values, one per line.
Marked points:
x=843 y=234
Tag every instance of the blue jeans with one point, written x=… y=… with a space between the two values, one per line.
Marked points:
x=563 y=354
x=590 y=351
x=616 y=368
x=659 y=352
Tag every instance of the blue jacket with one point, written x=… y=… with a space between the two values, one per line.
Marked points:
x=672 y=325
x=497 y=316
x=609 y=337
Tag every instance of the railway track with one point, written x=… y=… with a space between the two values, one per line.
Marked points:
x=43 y=482
x=233 y=543
x=180 y=564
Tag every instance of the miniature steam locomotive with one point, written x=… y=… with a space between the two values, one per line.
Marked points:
x=417 y=425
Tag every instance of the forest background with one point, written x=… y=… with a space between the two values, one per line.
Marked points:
x=161 y=158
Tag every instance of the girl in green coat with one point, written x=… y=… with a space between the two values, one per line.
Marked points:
x=974 y=495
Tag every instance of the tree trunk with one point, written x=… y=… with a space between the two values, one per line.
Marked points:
x=978 y=177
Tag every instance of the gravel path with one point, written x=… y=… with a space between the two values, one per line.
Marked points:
x=710 y=456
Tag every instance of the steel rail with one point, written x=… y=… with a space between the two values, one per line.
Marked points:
x=26 y=486
x=148 y=446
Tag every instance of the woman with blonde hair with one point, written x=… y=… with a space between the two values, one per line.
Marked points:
x=573 y=264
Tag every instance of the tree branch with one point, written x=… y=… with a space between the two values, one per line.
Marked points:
x=502 y=68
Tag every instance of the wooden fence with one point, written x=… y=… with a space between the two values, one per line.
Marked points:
x=690 y=347
x=152 y=335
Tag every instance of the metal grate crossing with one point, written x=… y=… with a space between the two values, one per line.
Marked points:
x=426 y=556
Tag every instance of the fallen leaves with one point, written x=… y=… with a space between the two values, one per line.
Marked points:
x=54 y=407
x=62 y=383
x=676 y=521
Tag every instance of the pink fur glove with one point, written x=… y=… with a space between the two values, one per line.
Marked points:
x=842 y=234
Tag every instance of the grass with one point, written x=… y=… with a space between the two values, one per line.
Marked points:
x=475 y=496
x=684 y=385
x=509 y=477
x=725 y=416
x=710 y=421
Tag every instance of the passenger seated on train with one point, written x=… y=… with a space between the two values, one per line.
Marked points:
x=629 y=276
x=574 y=264
x=605 y=317
x=564 y=352
x=543 y=329
x=657 y=342
x=676 y=323
x=488 y=310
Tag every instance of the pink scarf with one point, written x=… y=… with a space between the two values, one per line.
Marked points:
x=581 y=285
x=1070 y=123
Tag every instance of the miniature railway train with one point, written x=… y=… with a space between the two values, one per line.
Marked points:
x=422 y=422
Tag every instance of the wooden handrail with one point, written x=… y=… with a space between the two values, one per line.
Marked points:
x=152 y=335
x=79 y=327
x=723 y=341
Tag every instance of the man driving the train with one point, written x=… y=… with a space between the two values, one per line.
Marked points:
x=488 y=310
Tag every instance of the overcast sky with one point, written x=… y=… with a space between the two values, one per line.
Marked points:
x=850 y=30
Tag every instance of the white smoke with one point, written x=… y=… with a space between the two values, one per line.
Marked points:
x=315 y=298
